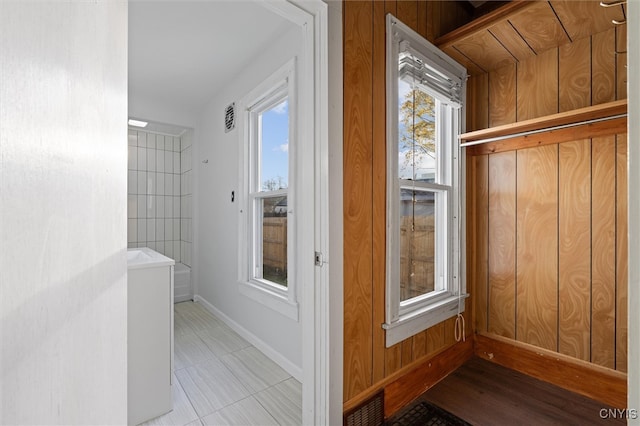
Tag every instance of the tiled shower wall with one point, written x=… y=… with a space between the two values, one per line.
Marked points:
x=186 y=179
x=154 y=195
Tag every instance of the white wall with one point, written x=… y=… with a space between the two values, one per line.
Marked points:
x=63 y=177
x=216 y=217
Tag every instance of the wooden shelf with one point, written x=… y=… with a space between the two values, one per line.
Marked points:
x=570 y=117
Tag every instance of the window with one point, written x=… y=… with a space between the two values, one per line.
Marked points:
x=425 y=90
x=266 y=245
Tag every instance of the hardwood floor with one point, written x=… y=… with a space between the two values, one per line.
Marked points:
x=483 y=393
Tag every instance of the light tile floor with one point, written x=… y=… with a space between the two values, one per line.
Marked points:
x=221 y=379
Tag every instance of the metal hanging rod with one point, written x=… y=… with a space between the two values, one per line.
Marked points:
x=613 y=3
x=543 y=130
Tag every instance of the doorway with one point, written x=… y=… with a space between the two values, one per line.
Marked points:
x=167 y=39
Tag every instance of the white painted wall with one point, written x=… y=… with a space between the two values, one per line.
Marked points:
x=63 y=179
x=216 y=217
x=633 y=74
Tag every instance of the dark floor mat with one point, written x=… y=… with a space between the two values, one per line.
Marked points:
x=425 y=414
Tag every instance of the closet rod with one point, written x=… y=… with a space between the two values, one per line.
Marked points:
x=543 y=130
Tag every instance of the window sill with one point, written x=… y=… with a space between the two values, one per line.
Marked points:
x=270 y=298
x=415 y=322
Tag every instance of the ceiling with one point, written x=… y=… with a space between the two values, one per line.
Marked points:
x=181 y=53
x=532 y=28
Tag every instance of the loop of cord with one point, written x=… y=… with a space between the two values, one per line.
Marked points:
x=460 y=329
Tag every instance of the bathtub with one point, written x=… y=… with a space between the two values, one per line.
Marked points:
x=182 y=283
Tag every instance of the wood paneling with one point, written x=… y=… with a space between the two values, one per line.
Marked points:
x=621 y=62
x=358 y=261
x=622 y=283
x=577 y=376
x=502 y=244
x=380 y=9
x=574 y=249
x=478 y=111
x=603 y=62
x=511 y=40
x=537 y=81
x=539 y=26
x=368 y=365
x=583 y=18
x=575 y=75
x=478 y=226
x=502 y=96
x=417 y=380
x=603 y=259
x=476 y=48
x=537 y=247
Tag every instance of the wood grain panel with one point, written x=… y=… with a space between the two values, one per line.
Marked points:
x=577 y=376
x=539 y=26
x=393 y=359
x=537 y=82
x=435 y=338
x=603 y=257
x=472 y=67
x=407 y=351
x=424 y=375
x=407 y=12
x=419 y=345
x=478 y=106
x=477 y=219
x=583 y=18
x=422 y=19
x=603 y=86
x=537 y=246
x=502 y=96
x=358 y=187
x=622 y=282
x=502 y=244
x=484 y=50
x=574 y=251
x=621 y=62
x=574 y=63
x=511 y=40
x=379 y=158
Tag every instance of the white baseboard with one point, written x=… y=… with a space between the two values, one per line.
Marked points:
x=182 y=298
x=272 y=354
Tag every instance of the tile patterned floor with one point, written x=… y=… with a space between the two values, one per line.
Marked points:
x=221 y=379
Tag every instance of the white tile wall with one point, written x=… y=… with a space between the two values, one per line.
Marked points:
x=184 y=182
x=154 y=195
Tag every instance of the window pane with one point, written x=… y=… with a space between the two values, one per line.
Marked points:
x=274 y=239
x=416 y=133
x=417 y=243
x=274 y=151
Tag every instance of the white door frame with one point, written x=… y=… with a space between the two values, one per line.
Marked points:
x=320 y=297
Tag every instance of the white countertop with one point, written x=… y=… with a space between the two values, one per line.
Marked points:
x=144 y=257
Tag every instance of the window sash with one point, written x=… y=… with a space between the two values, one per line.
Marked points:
x=444 y=80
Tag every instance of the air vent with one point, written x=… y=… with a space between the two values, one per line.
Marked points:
x=369 y=413
x=230 y=118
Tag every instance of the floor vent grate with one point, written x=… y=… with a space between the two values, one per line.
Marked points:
x=369 y=413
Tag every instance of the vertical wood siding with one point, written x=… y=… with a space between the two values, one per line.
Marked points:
x=367 y=362
x=588 y=71
x=563 y=263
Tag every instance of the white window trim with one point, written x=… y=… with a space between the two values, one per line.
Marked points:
x=403 y=321
x=278 y=298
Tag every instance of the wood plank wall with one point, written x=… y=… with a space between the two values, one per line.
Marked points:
x=549 y=232
x=587 y=71
x=367 y=363
x=547 y=225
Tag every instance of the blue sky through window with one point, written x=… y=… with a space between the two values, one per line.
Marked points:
x=275 y=147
